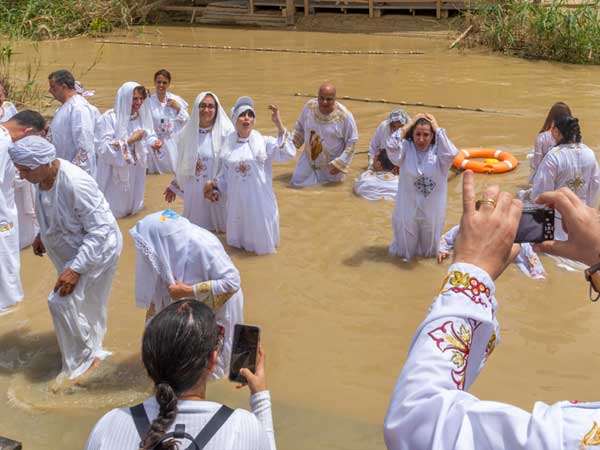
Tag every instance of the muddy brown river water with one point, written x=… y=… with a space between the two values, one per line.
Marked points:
x=337 y=312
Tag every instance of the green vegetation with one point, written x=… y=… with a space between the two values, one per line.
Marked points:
x=26 y=91
x=546 y=31
x=55 y=19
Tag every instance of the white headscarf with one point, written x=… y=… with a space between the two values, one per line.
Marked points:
x=32 y=152
x=161 y=240
x=122 y=109
x=256 y=141
x=187 y=147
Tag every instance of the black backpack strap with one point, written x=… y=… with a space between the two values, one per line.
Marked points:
x=140 y=419
x=211 y=428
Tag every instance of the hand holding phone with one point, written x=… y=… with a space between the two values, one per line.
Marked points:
x=244 y=351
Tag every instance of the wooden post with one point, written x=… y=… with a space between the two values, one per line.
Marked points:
x=306 y=8
x=438 y=9
x=290 y=12
x=250 y=7
x=371 y=14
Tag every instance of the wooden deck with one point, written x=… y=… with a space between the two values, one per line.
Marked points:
x=277 y=13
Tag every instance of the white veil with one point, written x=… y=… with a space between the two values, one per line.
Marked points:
x=187 y=147
x=256 y=140
x=122 y=108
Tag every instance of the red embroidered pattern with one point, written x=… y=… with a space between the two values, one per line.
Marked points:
x=471 y=287
x=243 y=168
x=458 y=342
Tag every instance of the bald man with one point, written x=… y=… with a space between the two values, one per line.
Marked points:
x=328 y=131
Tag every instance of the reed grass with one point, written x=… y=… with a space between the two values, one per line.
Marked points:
x=549 y=31
x=24 y=91
x=55 y=19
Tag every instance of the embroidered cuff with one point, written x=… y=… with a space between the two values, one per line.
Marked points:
x=298 y=139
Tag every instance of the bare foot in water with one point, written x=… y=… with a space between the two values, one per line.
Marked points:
x=62 y=384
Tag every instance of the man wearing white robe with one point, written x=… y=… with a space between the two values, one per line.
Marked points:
x=18 y=127
x=176 y=259
x=430 y=407
x=72 y=128
x=124 y=138
x=328 y=131
x=81 y=236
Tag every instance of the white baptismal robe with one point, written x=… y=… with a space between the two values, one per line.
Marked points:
x=167 y=125
x=247 y=180
x=544 y=142
x=374 y=185
x=11 y=290
x=122 y=167
x=199 y=210
x=420 y=208
x=380 y=137
x=79 y=232
x=327 y=139
x=526 y=260
x=573 y=166
x=72 y=133
x=7 y=110
x=202 y=260
x=25 y=200
x=430 y=408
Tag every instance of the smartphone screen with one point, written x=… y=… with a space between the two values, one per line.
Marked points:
x=536 y=225
x=244 y=351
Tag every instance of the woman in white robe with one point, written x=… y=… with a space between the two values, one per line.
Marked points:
x=199 y=160
x=247 y=180
x=572 y=164
x=124 y=137
x=424 y=154
x=176 y=259
x=544 y=141
x=169 y=116
x=81 y=236
x=380 y=180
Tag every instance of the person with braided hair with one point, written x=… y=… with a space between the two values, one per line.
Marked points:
x=179 y=351
x=570 y=163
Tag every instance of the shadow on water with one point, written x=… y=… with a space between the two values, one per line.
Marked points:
x=37 y=356
x=378 y=253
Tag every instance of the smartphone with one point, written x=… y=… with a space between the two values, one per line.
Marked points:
x=244 y=351
x=536 y=225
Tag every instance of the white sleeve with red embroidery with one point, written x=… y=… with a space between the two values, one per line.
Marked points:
x=430 y=409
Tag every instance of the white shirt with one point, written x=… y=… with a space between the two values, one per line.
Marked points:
x=242 y=430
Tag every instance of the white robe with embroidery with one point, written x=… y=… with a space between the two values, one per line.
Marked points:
x=7 y=110
x=247 y=180
x=420 y=208
x=79 y=232
x=327 y=139
x=72 y=133
x=526 y=260
x=11 y=290
x=571 y=165
x=430 y=407
x=167 y=125
x=121 y=167
x=170 y=247
x=374 y=185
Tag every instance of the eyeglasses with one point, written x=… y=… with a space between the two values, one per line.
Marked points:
x=593 y=277
x=207 y=106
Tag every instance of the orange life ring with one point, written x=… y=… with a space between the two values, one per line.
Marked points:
x=465 y=160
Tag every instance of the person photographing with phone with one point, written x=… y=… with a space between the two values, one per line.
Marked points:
x=179 y=351
x=430 y=407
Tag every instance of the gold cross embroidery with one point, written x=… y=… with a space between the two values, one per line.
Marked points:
x=591 y=438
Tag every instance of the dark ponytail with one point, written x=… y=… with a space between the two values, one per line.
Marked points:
x=176 y=350
x=569 y=128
